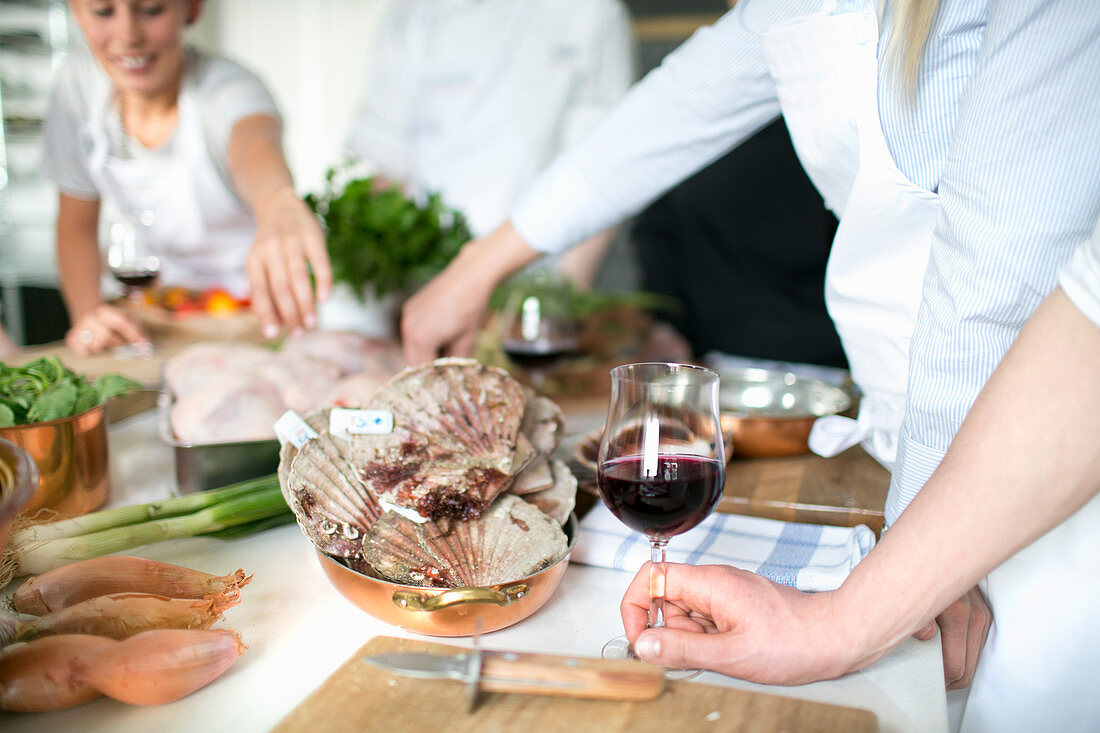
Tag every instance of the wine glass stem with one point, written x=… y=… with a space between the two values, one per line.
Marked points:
x=657 y=583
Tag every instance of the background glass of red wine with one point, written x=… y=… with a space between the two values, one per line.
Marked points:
x=129 y=257
x=538 y=325
x=661 y=467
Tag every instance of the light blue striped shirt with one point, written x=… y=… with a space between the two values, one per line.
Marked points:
x=1006 y=127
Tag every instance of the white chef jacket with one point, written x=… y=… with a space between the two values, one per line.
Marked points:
x=472 y=98
x=226 y=92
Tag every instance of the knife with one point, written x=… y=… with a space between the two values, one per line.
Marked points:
x=530 y=674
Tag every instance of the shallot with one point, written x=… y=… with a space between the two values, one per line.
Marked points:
x=122 y=615
x=154 y=667
x=159 y=666
x=36 y=677
x=72 y=584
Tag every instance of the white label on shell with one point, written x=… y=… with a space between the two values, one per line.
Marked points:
x=410 y=514
x=291 y=428
x=343 y=422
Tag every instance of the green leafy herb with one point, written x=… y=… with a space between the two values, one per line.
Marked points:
x=45 y=389
x=380 y=236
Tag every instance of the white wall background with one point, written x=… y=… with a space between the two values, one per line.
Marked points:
x=312 y=56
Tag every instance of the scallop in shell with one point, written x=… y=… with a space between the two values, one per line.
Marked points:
x=456 y=442
x=558 y=500
x=510 y=541
x=333 y=507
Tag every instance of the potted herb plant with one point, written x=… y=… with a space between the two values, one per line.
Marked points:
x=383 y=243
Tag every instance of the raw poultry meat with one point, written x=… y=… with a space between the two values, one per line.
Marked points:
x=351 y=352
x=199 y=363
x=233 y=392
x=231 y=407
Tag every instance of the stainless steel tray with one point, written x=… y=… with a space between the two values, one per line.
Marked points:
x=212 y=465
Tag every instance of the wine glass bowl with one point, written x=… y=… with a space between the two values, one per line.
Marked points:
x=661 y=463
x=538 y=326
x=130 y=258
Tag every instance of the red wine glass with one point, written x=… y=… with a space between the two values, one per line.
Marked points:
x=135 y=265
x=661 y=467
x=538 y=326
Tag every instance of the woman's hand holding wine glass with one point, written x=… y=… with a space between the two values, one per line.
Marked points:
x=661 y=466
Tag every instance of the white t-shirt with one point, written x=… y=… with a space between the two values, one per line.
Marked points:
x=472 y=98
x=226 y=93
x=1080 y=278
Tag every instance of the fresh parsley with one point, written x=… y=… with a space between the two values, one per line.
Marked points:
x=379 y=235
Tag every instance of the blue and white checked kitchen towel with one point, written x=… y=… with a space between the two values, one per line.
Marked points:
x=810 y=557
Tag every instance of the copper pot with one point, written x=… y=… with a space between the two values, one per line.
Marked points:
x=18 y=480
x=71 y=455
x=453 y=611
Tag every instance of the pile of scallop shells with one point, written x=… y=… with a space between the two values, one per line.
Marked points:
x=462 y=492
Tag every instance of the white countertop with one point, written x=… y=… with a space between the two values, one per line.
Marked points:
x=299 y=629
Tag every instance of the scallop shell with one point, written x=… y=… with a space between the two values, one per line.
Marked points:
x=560 y=498
x=324 y=490
x=456 y=443
x=510 y=541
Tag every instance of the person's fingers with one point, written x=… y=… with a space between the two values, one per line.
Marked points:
x=260 y=295
x=301 y=288
x=927 y=632
x=463 y=345
x=954 y=624
x=317 y=254
x=978 y=623
x=679 y=648
x=122 y=326
x=281 y=293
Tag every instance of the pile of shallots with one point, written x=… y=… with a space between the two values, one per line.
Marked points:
x=135 y=630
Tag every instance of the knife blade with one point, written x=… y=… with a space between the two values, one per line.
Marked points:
x=531 y=674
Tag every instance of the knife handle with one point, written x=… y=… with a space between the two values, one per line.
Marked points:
x=544 y=674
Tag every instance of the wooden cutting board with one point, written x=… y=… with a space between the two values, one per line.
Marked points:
x=845 y=490
x=358 y=697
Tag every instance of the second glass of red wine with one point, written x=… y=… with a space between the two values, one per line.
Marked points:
x=129 y=256
x=135 y=266
x=538 y=325
x=661 y=467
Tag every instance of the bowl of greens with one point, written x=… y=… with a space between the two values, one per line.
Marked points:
x=57 y=416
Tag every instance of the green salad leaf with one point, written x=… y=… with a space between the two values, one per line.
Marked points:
x=378 y=235
x=45 y=389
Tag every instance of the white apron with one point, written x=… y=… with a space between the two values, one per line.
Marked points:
x=1039 y=668
x=826 y=73
x=182 y=208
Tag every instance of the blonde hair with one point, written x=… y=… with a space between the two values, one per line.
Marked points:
x=912 y=22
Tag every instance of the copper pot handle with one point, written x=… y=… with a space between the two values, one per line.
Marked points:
x=413 y=601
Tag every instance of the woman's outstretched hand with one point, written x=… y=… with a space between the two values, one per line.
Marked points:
x=737 y=623
x=289 y=243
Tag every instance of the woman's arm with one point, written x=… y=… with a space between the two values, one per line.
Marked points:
x=1009 y=477
x=1026 y=458
x=96 y=326
x=289 y=242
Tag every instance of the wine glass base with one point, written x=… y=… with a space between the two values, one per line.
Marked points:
x=621 y=648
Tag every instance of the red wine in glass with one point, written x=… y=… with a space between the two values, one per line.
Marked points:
x=136 y=278
x=680 y=493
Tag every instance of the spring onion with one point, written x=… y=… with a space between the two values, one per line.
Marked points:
x=248 y=503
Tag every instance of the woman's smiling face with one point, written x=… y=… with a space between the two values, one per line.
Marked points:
x=139 y=43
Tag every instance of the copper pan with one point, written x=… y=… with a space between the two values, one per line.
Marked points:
x=71 y=455
x=454 y=611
